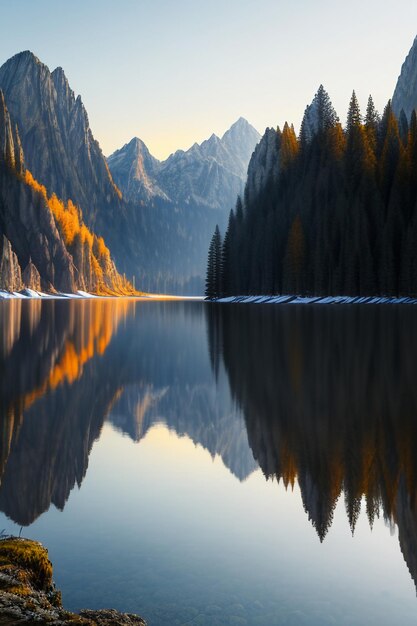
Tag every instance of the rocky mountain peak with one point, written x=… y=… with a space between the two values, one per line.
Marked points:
x=26 y=57
x=241 y=126
x=210 y=174
x=134 y=169
x=59 y=147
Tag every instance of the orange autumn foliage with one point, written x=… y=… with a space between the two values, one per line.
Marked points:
x=74 y=232
x=68 y=218
x=98 y=321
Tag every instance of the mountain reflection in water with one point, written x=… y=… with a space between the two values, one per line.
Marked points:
x=322 y=396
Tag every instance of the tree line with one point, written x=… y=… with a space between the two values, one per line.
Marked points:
x=336 y=213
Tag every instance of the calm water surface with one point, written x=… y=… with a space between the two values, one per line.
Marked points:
x=217 y=465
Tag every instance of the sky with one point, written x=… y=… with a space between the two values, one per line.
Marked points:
x=172 y=72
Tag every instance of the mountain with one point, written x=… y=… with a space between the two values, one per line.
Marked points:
x=135 y=171
x=59 y=147
x=44 y=243
x=210 y=174
x=405 y=94
x=159 y=232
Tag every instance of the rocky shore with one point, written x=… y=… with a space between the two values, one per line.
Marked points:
x=28 y=594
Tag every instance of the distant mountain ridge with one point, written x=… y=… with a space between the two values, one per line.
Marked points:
x=210 y=174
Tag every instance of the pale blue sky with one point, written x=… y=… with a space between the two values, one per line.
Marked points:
x=173 y=72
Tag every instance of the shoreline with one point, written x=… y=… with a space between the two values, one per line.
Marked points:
x=315 y=300
x=30 y=294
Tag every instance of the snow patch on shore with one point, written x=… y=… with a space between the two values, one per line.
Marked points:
x=317 y=300
x=26 y=294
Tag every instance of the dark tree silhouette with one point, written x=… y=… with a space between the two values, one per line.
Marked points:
x=335 y=213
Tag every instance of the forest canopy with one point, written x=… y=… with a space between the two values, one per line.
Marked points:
x=335 y=214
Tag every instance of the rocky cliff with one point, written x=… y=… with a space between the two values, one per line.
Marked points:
x=61 y=152
x=405 y=94
x=44 y=238
x=264 y=164
x=28 y=594
x=59 y=147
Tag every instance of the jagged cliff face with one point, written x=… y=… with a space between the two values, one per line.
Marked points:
x=62 y=154
x=405 y=94
x=10 y=273
x=210 y=174
x=29 y=231
x=59 y=147
x=45 y=244
x=264 y=164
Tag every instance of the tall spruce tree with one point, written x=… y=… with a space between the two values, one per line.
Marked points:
x=214 y=266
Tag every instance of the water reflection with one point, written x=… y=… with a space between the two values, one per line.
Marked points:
x=70 y=365
x=322 y=396
x=329 y=397
x=53 y=398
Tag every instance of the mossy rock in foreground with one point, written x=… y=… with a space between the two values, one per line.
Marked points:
x=29 y=556
x=28 y=594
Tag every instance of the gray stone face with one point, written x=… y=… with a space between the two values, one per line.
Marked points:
x=10 y=273
x=7 y=147
x=405 y=94
x=264 y=162
x=31 y=237
x=31 y=277
x=59 y=147
x=210 y=174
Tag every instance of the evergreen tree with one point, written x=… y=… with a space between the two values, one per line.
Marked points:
x=326 y=115
x=214 y=266
x=354 y=115
x=227 y=257
x=372 y=121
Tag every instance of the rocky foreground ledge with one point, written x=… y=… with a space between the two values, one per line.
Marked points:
x=28 y=594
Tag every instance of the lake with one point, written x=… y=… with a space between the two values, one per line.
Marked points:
x=204 y=464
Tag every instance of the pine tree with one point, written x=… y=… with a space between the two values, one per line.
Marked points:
x=214 y=266
x=403 y=127
x=289 y=146
x=326 y=115
x=210 y=275
x=372 y=121
x=354 y=115
x=227 y=257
